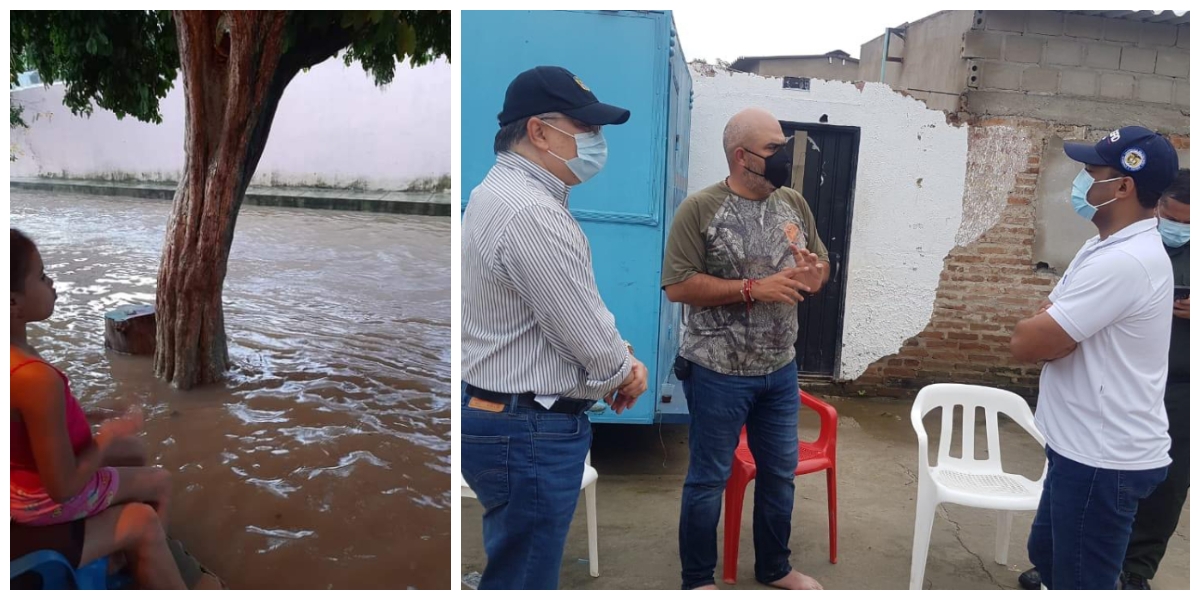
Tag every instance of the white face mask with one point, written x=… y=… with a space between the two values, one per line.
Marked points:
x=591 y=152
x=1079 y=191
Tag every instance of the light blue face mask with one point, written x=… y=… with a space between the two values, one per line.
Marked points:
x=591 y=152
x=1079 y=192
x=1174 y=233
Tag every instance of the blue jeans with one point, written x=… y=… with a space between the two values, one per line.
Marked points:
x=526 y=467
x=1084 y=521
x=719 y=405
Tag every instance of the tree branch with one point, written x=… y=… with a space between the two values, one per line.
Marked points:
x=310 y=50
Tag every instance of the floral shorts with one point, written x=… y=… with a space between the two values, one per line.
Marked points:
x=35 y=507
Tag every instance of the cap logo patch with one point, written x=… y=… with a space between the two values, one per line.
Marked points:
x=1114 y=136
x=1133 y=160
x=580 y=82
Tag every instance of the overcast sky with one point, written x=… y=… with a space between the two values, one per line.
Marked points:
x=754 y=29
x=758 y=30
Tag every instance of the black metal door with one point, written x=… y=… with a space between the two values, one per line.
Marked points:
x=827 y=162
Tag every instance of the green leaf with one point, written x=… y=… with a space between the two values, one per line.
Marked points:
x=408 y=40
x=123 y=61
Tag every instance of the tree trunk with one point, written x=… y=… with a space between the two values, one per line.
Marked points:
x=232 y=85
x=234 y=74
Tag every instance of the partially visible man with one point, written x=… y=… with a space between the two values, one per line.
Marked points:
x=539 y=347
x=741 y=254
x=1158 y=514
x=1105 y=331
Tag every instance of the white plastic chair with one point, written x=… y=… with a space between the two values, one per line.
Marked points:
x=588 y=486
x=968 y=481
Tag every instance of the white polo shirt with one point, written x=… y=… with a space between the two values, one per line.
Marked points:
x=1102 y=405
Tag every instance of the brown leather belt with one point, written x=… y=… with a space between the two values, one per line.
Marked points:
x=570 y=406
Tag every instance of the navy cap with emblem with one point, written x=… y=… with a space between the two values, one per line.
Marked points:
x=542 y=90
x=1146 y=156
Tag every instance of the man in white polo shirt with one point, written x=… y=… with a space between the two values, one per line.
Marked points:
x=1105 y=332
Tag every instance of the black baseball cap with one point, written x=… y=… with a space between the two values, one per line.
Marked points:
x=1146 y=156
x=543 y=90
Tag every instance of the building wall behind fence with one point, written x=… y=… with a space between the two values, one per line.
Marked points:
x=334 y=127
x=908 y=201
x=821 y=67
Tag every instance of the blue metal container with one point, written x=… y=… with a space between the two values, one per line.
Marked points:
x=631 y=59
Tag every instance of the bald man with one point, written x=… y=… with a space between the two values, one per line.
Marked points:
x=741 y=255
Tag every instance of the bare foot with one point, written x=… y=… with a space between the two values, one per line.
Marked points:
x=711 y=586
x=796 y=581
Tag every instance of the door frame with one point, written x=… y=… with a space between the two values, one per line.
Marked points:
x=855 y=134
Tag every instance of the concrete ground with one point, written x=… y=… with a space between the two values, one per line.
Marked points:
x=641 y=476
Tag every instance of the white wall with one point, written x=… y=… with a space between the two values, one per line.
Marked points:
x=908 y=196
x=334 y=127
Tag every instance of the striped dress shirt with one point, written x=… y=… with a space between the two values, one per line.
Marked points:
x=532 y=317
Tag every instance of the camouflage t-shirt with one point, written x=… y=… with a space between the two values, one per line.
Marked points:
x=718 y=233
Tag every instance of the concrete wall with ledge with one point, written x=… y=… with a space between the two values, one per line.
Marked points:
x=334 y=128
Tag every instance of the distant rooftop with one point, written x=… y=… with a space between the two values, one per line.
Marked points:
x=743 y=63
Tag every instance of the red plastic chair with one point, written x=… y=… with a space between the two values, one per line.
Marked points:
x=819 y=455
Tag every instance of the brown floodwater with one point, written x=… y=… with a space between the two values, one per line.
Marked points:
x=324 y=460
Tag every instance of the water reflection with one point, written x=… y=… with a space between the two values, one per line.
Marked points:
x=324 y=460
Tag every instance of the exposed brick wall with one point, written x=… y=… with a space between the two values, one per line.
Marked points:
x=986 y=287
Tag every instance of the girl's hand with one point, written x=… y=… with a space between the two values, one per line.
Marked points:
x=126 y=425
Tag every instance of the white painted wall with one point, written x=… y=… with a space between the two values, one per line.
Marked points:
x=908 y=196
x=334 y=127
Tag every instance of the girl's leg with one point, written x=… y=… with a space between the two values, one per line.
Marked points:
x=134 y=529
x=144 y=484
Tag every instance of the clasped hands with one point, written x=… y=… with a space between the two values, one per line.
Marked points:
x=786 y=286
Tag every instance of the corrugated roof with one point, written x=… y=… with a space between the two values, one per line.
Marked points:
x=1169 y=17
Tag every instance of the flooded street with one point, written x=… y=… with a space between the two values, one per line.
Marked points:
x=324 y=460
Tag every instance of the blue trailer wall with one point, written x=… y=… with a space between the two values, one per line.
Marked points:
x=629 y=59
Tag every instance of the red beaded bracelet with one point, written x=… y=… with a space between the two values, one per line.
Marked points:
x=747 y=287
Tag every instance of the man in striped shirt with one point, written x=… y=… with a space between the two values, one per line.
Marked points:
x=539 y=347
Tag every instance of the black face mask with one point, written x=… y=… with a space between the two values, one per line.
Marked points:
x=778 y=169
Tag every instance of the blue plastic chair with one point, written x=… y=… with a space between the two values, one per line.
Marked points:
x=57 y=573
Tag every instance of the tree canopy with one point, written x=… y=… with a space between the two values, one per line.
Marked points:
x=126 y=61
